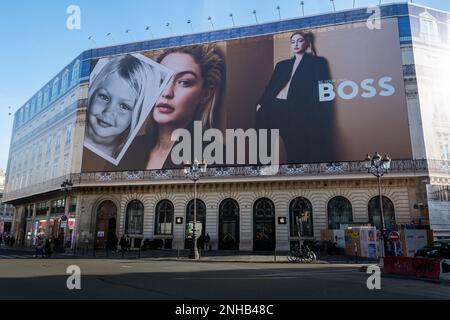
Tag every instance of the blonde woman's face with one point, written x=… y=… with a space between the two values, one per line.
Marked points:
x=298 y=44
x=182 y=96
x=111 y=107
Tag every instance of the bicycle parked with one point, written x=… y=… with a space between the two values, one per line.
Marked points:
x=301 y=253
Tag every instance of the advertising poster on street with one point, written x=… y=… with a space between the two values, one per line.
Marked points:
x=305 y=96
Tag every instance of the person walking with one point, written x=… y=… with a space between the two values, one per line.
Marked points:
x=39 y=247
x=12 y=240
x=47 y=248
x=128 y=243
x=207 y=242
x=122 y=243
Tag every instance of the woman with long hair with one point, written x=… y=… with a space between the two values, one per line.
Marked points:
x=291 y=103
x=194 y=93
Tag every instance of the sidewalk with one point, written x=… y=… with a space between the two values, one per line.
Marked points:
x=205 y=256
x=221 y=256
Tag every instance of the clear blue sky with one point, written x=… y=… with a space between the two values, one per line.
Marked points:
x=36 y=44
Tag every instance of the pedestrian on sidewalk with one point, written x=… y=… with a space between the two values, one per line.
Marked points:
x=207 y=242
x=12 y=240
x=122 y=243
x=39 y=247
x=1 y=240
x=128 y=243
x=47 y=248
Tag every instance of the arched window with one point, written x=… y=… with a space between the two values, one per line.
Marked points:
x=229 y=225
x=339 y=213
x=301 y=218
x=134 y=222
x=264 y=225
x=164 y=218
x=105 y=231
x=264 y=208
x=199 y=225
x=388 y=213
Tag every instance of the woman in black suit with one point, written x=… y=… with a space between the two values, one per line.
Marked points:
x=291 y=103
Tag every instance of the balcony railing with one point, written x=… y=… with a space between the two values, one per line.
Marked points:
x=215 y=174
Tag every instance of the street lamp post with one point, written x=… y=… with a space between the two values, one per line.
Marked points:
x=232 y=20
x=66 y=188
x=379 y=167
x=194 y=172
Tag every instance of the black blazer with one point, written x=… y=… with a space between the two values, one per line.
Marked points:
x=304 y=84
x=311 y=124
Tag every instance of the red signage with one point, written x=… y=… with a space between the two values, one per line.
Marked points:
x=414 y=267
x=394 y=236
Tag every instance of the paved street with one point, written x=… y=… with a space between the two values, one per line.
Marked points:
x=22 y=278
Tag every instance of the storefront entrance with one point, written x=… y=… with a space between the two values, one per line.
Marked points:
x=105 y=229
x=264 y=225
x=229 y=225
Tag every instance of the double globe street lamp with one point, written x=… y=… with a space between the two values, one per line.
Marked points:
x=379 y=166
x=194 y=172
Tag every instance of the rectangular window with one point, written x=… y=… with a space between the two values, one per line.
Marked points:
x=49 y=144
x=73 y=205
x=68 y=135
x=66 y=164
x=55 y=89
x=58 y=141
x=46 y=96
x=39 y=101
x=65 y=80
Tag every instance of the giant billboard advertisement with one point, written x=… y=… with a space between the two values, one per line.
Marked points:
x=328 y=94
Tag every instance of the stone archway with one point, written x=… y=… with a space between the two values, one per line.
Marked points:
x=106 y=224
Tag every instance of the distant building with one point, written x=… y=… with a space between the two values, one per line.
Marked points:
x=6 y=210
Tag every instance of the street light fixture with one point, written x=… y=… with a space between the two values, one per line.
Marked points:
x=211 y=21
x=256 y=17
x=66 y=188
x=170 y=28
x=302 y=3
x=232 y=20
x=128 y=31
x=334 y=7
x=194 y=172
x=189 y=22
x=109 y=34
x=147 y=28
x=379 y=167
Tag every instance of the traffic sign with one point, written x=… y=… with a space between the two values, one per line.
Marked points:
x=394 y=236
x=64 y=218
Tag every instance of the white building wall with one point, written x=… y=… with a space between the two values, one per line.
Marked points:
x=246 y=197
